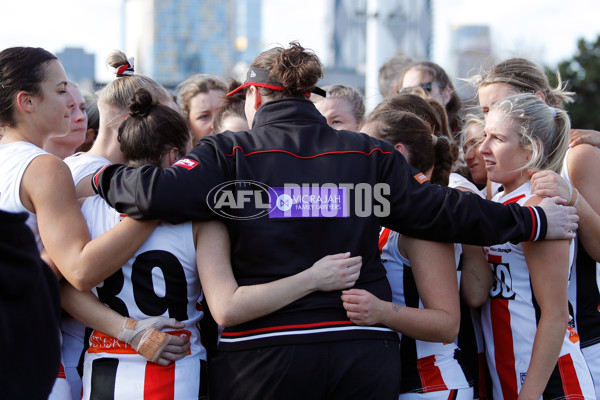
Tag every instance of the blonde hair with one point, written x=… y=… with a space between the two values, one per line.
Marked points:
x=348 y=93
x=470 y=120
x=525 y=77
x=543 y=129
x=120 y=92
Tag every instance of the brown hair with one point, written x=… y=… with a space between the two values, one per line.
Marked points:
x=414 y=104
x=232 y=107
x=297 y=69
x=151 y=130
x=424 y=149
x=21 y=69
x=440 y=76
x=198 y=83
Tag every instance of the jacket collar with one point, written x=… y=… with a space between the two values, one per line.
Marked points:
x=287 y=109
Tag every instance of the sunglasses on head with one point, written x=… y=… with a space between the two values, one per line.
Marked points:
x=425 y=86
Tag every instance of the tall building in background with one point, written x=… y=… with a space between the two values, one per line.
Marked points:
x=174 y=39
x=367 y=33
x=79 y=66
x=471 y=50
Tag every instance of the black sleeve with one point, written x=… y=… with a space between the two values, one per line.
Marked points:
x=175 y=194
x=29 y=310
x=432 y=212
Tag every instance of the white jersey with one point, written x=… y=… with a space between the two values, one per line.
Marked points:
x=74 y=332
x=470 y=335
x=510 y=318
x=16 y=157
x=84 y=164
x=426 y=366
x=459 y=181
x=161 y=279
x=584 y=297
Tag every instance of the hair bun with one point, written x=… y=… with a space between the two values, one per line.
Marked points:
x=141 y=104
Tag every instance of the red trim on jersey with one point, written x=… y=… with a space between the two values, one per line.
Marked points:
x=159 y=382
x=533 y=222
x=383 y=238
x=514 y=199
x=494 y=259
x=61 y=372
x=285 y=327
x=98 y=175
x=309 y=157
x=569 y=379
x=431 y=377
x=504 y=354
x=453 y=394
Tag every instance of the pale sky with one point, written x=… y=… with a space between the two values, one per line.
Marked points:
x=544 y=30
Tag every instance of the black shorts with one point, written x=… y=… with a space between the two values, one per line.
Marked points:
x=357 y=369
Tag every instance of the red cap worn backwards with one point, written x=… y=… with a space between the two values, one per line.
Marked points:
x=260 y=77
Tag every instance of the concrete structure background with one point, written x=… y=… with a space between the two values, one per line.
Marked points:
x=79 y=66
x=172 y=40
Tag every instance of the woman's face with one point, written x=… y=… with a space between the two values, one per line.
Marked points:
x=473 y=137
x=54 y=104
x=502 y=151
x=202 y=110
x=338 y=113
x=417 y=78
x=490 y=94
x=77 y=125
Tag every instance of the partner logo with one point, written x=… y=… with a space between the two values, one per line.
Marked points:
x=284 y=202
x=246 y=199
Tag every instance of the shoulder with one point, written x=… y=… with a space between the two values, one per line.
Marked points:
x=459 y=182
x=583 y=159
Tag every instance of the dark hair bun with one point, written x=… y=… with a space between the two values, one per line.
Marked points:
x=297 y=69
x=142 y=103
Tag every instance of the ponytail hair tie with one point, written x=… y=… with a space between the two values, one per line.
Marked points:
x=125 y=69
x=446 y=138
x=553 y=110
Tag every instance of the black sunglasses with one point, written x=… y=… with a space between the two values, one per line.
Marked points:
x=425 y=86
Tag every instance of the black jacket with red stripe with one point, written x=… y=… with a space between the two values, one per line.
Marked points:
x=291 y=143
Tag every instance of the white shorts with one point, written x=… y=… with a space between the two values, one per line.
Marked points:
x=61 y=389
x=592 y=358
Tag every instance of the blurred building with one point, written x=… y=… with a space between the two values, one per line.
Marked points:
x=173 y=39
x=79 y=66
x=367 y=33
x=471 y=50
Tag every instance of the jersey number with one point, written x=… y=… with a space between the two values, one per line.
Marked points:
x=174 y=300
x=502 y=287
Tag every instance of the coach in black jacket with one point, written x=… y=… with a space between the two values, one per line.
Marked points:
x=292 y=190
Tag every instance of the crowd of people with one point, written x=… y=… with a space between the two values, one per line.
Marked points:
x=270 y=239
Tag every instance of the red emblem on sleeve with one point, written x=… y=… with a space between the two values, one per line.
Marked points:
x=186 y=163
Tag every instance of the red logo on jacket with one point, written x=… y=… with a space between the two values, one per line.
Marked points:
x=186 y=163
